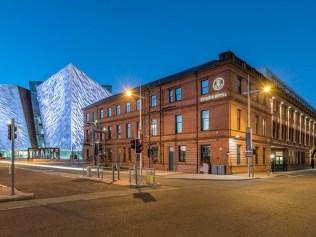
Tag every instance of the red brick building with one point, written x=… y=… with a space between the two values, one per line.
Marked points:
x=196 y=120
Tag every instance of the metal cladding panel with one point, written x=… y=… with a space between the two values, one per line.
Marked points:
x=40 y=141
x=61 y=99
x=11 y=107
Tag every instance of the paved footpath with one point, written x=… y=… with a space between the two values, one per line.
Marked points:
x=78 y=172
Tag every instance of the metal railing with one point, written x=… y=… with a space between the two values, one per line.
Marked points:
x=141 y=177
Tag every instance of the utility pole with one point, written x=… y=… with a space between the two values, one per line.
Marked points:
x=140 y=134
x=248 y=131
x=249 y=151
x=12 y=136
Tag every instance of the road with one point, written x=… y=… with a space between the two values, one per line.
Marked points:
x=279 y=206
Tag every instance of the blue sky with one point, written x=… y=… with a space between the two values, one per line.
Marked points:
x=128 y=42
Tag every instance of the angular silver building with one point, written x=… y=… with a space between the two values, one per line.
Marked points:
x=49 y=115
x=15 y=103
x=61 y=99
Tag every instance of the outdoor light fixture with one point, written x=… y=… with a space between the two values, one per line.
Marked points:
x=249 y=153
x=128 y=93
x=266 y=89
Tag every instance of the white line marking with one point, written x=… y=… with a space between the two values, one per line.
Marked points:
x=45 y=166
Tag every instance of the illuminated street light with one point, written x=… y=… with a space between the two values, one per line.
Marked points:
x=249 y=151
x=128 y=93
x=266 y=89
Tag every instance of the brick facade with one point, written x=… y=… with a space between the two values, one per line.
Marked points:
x=224 y=136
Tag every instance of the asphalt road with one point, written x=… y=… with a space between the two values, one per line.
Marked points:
x=280 y=206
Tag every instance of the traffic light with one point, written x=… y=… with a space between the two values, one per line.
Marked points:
x=10 y=132
x=15 y=132
x=254 y=151
x=150 y=152
x=139 y=146
x=96 y=148
x=133 y=144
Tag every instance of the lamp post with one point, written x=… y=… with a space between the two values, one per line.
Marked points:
x=95 y=126
x=96 y=144
x=249 y=152
x=248 y=130
x=139 y=133
x=12 y=129
x=129 y=94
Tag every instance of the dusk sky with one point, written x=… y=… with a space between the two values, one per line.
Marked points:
x=127 y=42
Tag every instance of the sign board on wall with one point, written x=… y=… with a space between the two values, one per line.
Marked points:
x=218 y=83
x=213 y=97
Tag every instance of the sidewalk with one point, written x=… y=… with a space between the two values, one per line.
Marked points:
x=80 y=173
x=5 y=194
x=237 y=177
x=64 y=171
x=211 y=177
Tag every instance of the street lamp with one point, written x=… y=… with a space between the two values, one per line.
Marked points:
x=267 y=89
x=129 y=93
x=96 y=143
x=249 y=152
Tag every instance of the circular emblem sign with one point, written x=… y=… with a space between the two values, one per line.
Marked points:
x=218 y=83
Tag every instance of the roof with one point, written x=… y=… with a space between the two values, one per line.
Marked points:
x=287 y=89
x=162 y=80
x=227 y=56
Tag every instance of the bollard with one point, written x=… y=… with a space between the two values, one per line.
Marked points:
x=118 y=171
x=89 y=171
x=98 y=171
x=113 y=173
x=136 y=178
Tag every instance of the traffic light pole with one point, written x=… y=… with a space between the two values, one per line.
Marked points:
x=139 y=135
x=12 y=157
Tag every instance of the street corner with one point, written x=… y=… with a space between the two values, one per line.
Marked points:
x=6 y=194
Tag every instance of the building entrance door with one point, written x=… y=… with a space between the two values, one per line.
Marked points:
x=171 y=159
x=205 y=159
x=279 y=162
